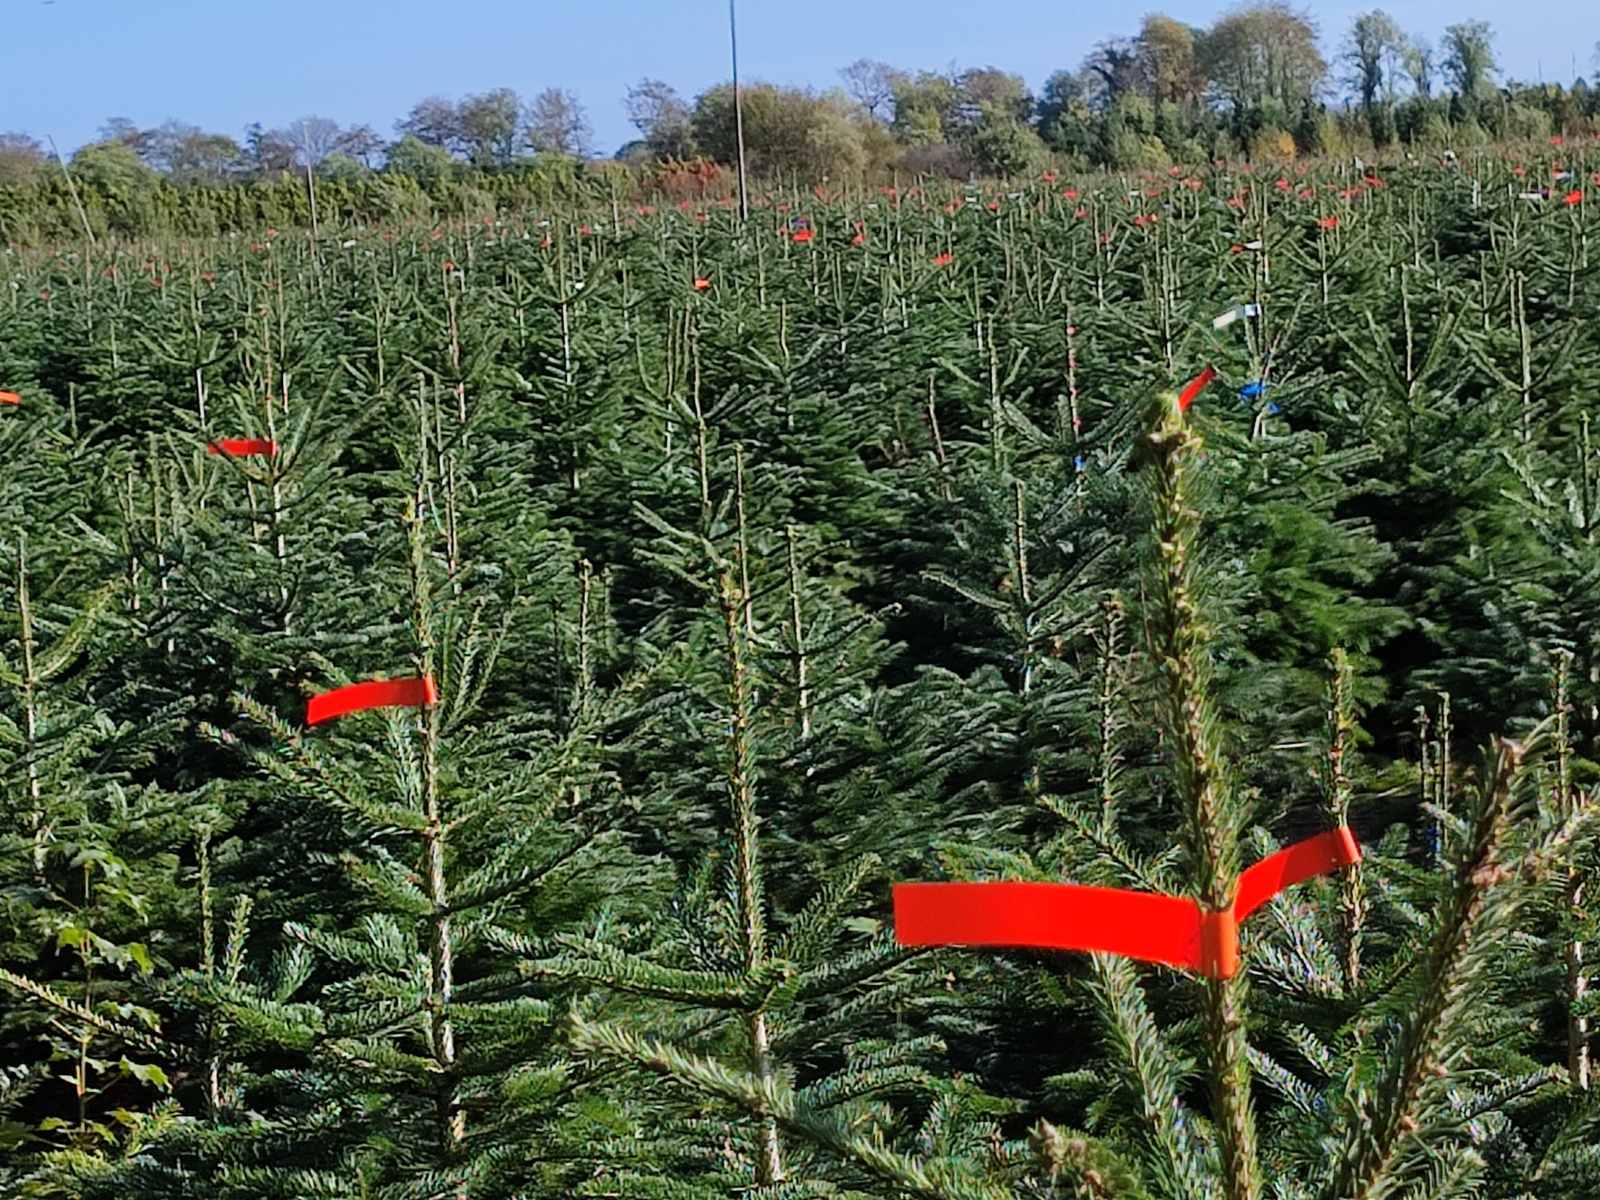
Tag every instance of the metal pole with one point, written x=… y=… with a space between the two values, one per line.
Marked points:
x=84 y=216
x=311 y=188
x=738 y=113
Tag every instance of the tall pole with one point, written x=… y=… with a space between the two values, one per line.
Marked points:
x=311 y=188
x=89 y=233
x=738 y=113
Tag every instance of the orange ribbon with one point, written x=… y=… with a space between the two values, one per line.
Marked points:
x=1196 y=386
x=376 y=693
x=243 y=447
x=1148 y=926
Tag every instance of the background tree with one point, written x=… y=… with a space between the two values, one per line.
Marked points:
x=21 y=158
x=361 y=142
x=489 y=125
x=188 y=154
x=1469 y=62
x=557 y=124
x=1062 y=114
x=422 y=161
x=1113 y=70
x=989 y=89
x=1374 y=53
x=269 y=151
x=313 y=139
x=992 y=123
x=978 y=119
x=925 y=106
x=872 y=84
x=1063 y=92
x=788 y=132
x=662 y=116
x=340 y=167
x=113 y=166
x=433 y=121
x=1264 y=58
x=1000 y=145
x=1166 y=50
x=1128 y=135
x=121 y=129
x=1418 y=65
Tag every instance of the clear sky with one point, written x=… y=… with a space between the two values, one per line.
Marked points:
x=71 y=64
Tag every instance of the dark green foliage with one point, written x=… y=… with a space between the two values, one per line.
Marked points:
x=746 y=601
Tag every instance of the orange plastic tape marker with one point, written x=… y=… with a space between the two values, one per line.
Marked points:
x=1300 y=862
x=1219 y=944
x=376 y=693
x=1144 y=925
x=1196 y=386
x=10 y=398
x=243 y=447
x=1049 y=916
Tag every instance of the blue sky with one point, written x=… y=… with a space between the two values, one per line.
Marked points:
x=71 y=64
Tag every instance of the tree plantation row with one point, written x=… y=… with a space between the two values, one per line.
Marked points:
x=756 y=566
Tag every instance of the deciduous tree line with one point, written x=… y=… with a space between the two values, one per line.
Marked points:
x=1255 y=82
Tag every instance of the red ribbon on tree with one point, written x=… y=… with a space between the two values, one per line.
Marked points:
x=243 y=447
x=1172 y=930
x=1196 y=386
x=375 y=693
